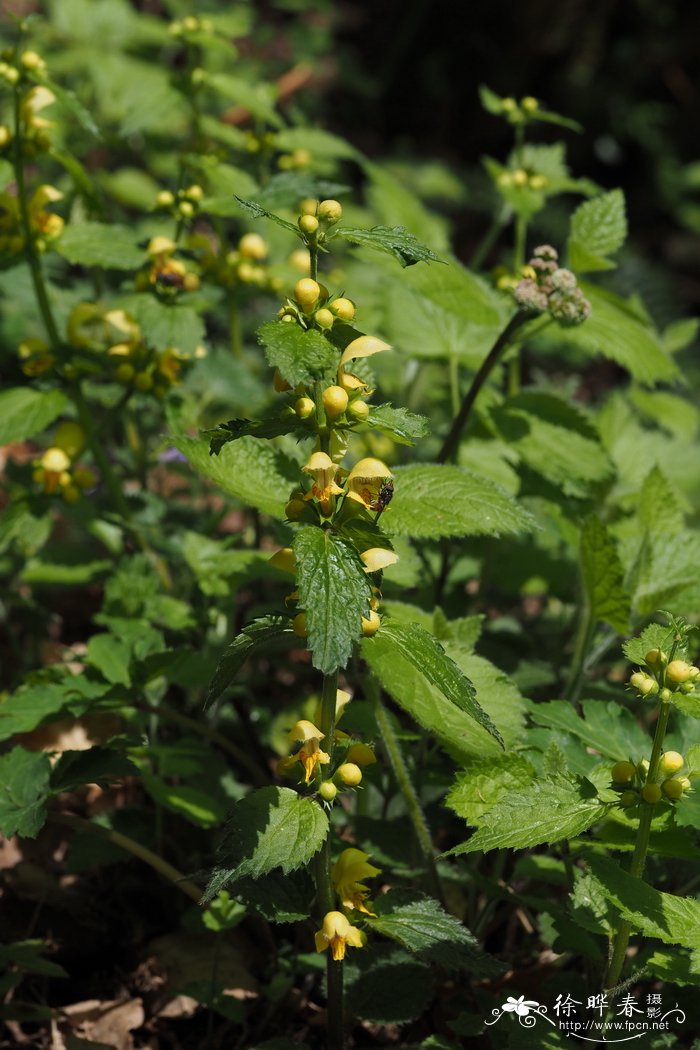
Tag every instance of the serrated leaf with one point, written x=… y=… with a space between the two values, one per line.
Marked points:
x=258 y=212
x=364 y=534
x=386 y=985
x=598 y=229
x=605 y=727
x=70 y=102
x=320 y=143
x=269 y=828
x=260 y=634
x=420 y=924
x=100 y=244
x=96 y=766
x=196 y=806
x=655 y=636
x=401 y=644
x=671 y=919
x=487 y=781
x=614 y=331
x=433 y=501
x=674 y=967
x=334 y=592
x=548 y=811
x=238 y=428
x=301 y=356
x=252 y=471
x=111 y=657
x=29 y=707
x=25 y=412
x=287 y=188
x=279 y=897
x=166 y=325
x=555 y=439
x=24 y=788
x=395 y=241
x=404 y=426
x=603 y=576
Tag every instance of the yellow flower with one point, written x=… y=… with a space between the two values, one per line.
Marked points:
x=342 y=699
x=365 y=481
x=310 y=754
x=377 y=558
x=338 y=933
x=348 y=871
x=323 y=470
x=45 y=222
x=284 y=560
x=36 y=99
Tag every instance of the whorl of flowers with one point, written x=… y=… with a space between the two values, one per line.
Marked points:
x=547 y=287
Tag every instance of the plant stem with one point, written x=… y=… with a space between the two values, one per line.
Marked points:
x=30 y=250
x=398 y=766
x=142 y=852
x=454 y=383
x=584 y=637
x=313 y=262
x=325 y=893
x=636 y=869
x=461 y=419
x=487 y=242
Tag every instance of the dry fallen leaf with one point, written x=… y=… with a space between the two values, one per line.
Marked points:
x=110 y=1023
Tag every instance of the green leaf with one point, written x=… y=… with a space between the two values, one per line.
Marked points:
x=198 y=807
x=334 y=592
x=420 y=924
x=100 y=244
x=603 y=576
x=606 y=727
x=671 y=919
x=655 y=636
x=548 y=811
x=252 y=471
x=111 y=657
x=70 y=102
x=258 y=212
x=598 y=229
x=277 y=896
x=269 y=828
x=554 y=438
x=97 y=766
x=257 y=96
x=394 y=204
x=165 y=325
x=616 y=332
x=385 y=985
x=487 y=781
x=25 y=412
x=29 y=707
x=238 y=428
x=301 y=356
x=24 y=788
x=491 y=102
x=287 y=188
x=407 y=646
x=432 y=501
x=395 y=241
x=27 y=957
x=404 y=426
x=320 y=143
x=674 y=967
x=259 y=635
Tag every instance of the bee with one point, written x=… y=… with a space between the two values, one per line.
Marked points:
x=386 y=494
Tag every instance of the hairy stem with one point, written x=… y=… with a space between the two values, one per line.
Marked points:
x=452 y=440
x=142 y=852
x=636 y=869
x=584 y=637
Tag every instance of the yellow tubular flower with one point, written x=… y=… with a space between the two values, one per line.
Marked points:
x=365 y=481
x=284 y=559
x=36 y=99
x=339 y=934
x=348 y=872
x=323 y=470
x=342 y=699
x=310 y=754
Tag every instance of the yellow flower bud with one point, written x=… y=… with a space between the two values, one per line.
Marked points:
x=361 y=755
x=299 y=625
x=651 y=793
x=143 y=381
x=672 y=788
x=5 y=135
x=308 y=206
x=165 y=199
x=305 y=407
x=308 y=224
x=284 y=560
x=359 y=410
x=678 y=671
x=71 y=438
x=349 y=774
x=656 y=658
x=193 y=193
x=300 y=260
x=335 y=401
x=329 y=211
x=186 y=209
x=124 y=373
x=519 y=178
x=55 y=460
x=343 y=308
x=628 y=798
x=253 y=246
x=538 y=182
x=327 y=790
x=622 y=772
x=529 y=104
x=306 y=293
x=324 y=318
x=671 y=762
x=371 y=624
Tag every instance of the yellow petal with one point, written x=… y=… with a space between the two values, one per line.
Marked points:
x=161 y=246
x=304 y=730
x=377 y=558
x=317 y=462
x=284 y=560
x=363 y=346
x=369 y=469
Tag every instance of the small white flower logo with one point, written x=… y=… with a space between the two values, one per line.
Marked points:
x=521 y=1006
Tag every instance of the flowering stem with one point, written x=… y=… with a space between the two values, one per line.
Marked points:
x=636 y=869
x=398 y=766
x=313 y=262
x=325 y=894
x=452 y=440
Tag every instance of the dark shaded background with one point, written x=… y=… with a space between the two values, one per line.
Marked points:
x=627 y=70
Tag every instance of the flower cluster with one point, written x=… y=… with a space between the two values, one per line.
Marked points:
x=663 y=678
x=164 y=274
x=56 y=470
x=635 y=784
x=548 y=288
x=336 y=933
x=45 y=225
